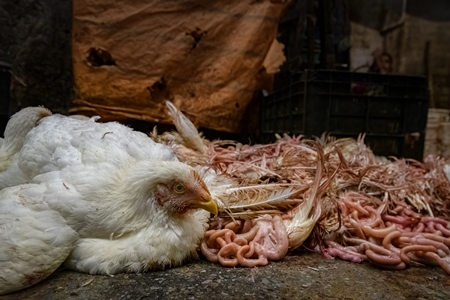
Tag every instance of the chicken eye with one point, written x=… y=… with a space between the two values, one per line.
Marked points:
x=179 y=188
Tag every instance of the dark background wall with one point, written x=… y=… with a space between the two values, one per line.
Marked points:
x=36 y=61
x=35 y=43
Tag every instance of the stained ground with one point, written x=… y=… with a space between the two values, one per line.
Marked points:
x=302 y=276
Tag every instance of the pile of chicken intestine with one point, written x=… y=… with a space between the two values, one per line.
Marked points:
x=335 y=197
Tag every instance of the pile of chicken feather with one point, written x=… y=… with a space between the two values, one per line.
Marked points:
x=331 y=196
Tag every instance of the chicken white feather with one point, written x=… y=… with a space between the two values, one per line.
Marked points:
x=35 y=239
x=186 y=129
x=16 y=130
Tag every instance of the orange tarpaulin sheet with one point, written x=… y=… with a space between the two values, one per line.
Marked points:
x=204 y=56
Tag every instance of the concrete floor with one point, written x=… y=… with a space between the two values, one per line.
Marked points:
x=304 y=276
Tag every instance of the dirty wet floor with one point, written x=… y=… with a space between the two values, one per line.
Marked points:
x=305 y=276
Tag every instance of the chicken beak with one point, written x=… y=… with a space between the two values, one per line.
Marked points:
x=207 y=203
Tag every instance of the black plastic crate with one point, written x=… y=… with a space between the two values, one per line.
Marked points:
x=390 y=109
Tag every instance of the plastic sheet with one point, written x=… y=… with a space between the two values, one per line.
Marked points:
x=204 y=56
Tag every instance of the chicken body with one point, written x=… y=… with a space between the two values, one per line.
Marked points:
x=127 y=201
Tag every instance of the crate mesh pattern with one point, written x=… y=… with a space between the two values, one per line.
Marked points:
x=391 y=110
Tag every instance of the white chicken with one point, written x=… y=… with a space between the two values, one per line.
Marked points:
x=16 y=130
x=100 y=198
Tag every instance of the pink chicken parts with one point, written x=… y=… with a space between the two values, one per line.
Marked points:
x=246 y=243
x=336 y=196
